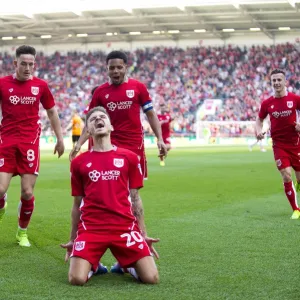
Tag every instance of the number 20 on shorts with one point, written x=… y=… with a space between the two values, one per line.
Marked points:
x=132 y=238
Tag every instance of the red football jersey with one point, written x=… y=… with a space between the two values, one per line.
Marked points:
x=165 y=121
x=20 y=104
x=103 y=179
x=284 y=112
x=123 y=104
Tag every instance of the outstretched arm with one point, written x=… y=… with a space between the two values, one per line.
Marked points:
x=83 y=138
x=138 y=212
x=156 y=128
x=258 y=128
x=75 y=217
x=55 y=124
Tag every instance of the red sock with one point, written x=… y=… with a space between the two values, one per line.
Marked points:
x=25 y=211
x=291 y=194
x=2 y=201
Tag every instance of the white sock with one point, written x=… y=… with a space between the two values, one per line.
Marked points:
x=133 y=273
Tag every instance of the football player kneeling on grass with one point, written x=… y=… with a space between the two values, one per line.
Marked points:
x=102 y=216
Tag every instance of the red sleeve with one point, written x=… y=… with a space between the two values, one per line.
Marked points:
x=263 y=113
x=76 y=179
x=144 y=98
x=96 y=100
x=135 y=172
x=47 y=99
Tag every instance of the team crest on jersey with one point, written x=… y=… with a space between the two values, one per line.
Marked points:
x=11 y=90
x=130 y=93
x=289 y=104
x=1 y=162
x=106 y=96
x=35 y=90
x=79 y=246
x=118 y=162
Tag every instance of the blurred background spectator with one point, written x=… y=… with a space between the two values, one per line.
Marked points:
x=183 y=79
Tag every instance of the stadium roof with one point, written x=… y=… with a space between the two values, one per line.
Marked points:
x=85 y=21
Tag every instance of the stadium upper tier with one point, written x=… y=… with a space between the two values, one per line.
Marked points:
x=181 y=78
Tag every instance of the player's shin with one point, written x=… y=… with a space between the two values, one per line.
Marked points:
x=3 y=206
x=26 y=208
x=3 y=201
x=291 y=194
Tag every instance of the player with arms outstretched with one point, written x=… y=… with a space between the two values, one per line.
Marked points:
x=21 y=95
x=165 y=120
x=103 y=179
x=283 y=109
x=123 y=99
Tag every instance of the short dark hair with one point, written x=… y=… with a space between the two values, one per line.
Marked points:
x=277 y=71
x=25 y=49
x=93 y=90
x=97 y=108
x=117 y=55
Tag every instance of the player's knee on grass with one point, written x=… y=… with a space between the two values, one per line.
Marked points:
x=147 y=270
x=150 y=277
x=77 y=279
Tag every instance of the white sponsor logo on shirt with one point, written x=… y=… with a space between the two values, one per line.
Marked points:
x=35 y=90
x=104 y=175
x=94 y=175
x=130 y=93
x=79 y=246
x=119 y=162
x=119 y=105
x=280 y=114
x=1 y=162
x=24 y=100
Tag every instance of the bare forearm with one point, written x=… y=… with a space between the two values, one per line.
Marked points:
x=138 y=210
x=83 y=137
x=258 y=125
x=154 y=124
x=75 y=217
x=55 y=123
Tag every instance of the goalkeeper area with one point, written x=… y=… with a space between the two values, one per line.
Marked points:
x=220 y=213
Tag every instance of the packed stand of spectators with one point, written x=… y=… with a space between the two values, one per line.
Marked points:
x=239 y=76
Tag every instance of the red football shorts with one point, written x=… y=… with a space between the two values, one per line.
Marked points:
x=19 y=158
x=127 y=246
x=287 y=157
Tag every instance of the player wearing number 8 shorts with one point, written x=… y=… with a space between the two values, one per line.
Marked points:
x=107 y=211
x=20 y=96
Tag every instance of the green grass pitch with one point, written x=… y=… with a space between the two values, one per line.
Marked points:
x=221 y=215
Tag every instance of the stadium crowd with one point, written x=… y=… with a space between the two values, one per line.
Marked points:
x=182 y=79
